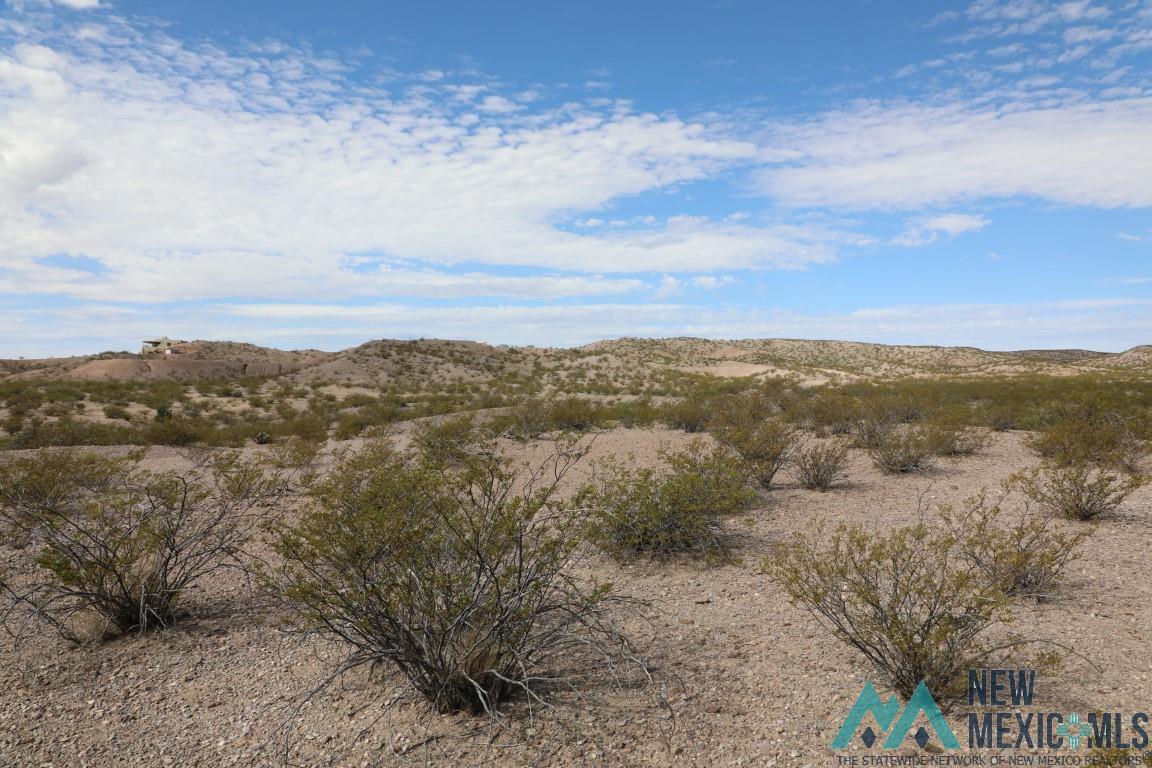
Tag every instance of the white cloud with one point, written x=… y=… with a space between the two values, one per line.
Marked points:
x=189 y=172
x=908 y=156
x=711 y=282
x=80 y=5
x=925 y=231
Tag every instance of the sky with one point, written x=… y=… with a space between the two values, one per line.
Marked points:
x=315 y=175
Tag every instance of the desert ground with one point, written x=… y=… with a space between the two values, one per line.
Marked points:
x=738 y=675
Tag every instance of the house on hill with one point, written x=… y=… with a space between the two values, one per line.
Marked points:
x=160 y=346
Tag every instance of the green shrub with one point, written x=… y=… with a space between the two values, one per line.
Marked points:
x=896 y=599
x=871 y=432
x=526 y=421
x=689 y=414
x=766 y=444
x=1077 y=491
x=1083 y=436
x=820 y=464
x=679 y=508
x=117 y=412
x=572 y=414
x=174 y=431
x=447 y=441
x=826 y=413
x=122 y=544
x=461 y=578
x=1024 y=554
x=901 y=451
x=948 y=438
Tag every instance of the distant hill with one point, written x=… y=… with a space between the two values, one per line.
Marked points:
x=444 y=362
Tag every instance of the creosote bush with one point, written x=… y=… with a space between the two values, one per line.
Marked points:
x=1080 y=434
x=901 y=451
x=458 y=576
x=820 y=464
x=122 y=545
x=447 y=441
x=766 y=444
x=947 y=438
x=1077 y=491
x=678 y=508
x=897 y=600
x=1023 y=553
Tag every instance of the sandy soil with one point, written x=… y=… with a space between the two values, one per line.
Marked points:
x=742 y=677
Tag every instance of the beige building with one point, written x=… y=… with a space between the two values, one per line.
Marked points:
x=160 y=346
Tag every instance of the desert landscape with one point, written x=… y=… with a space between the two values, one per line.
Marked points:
x=695 y=464
x=702 y=384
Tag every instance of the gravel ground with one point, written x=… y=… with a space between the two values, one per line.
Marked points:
x=741 y=677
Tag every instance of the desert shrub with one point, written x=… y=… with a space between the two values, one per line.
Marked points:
x=999 y=419
x=177 y=431
x=949 y=438
x=826 y=413
x=895 y=599
x=122 y=544
x=460 y=578
x=117 y=412
x=1084 y=436
x=527 y=420
x=631 y=413
x=573 y=414
x=820 y=464
x=871 y=432
x=678 y=508
x=689 y=414
x=1077 y=491
x=72 y=432
x=902 y=451
x=1023 y=553
x=766 y=444
x=447 y=441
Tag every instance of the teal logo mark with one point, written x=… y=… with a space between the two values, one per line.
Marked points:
x=895 y=722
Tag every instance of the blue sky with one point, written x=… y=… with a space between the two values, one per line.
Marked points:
x=319 y=174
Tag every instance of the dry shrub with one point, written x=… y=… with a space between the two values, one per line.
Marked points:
x=458 y=577
x=901 y=451
x=1078 y=491
x=1023 y=553
x=820 y=464
x=677 y=509
x=123 y=544
x=897 y=600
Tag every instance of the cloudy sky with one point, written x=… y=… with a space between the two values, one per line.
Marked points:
x=304 y=174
